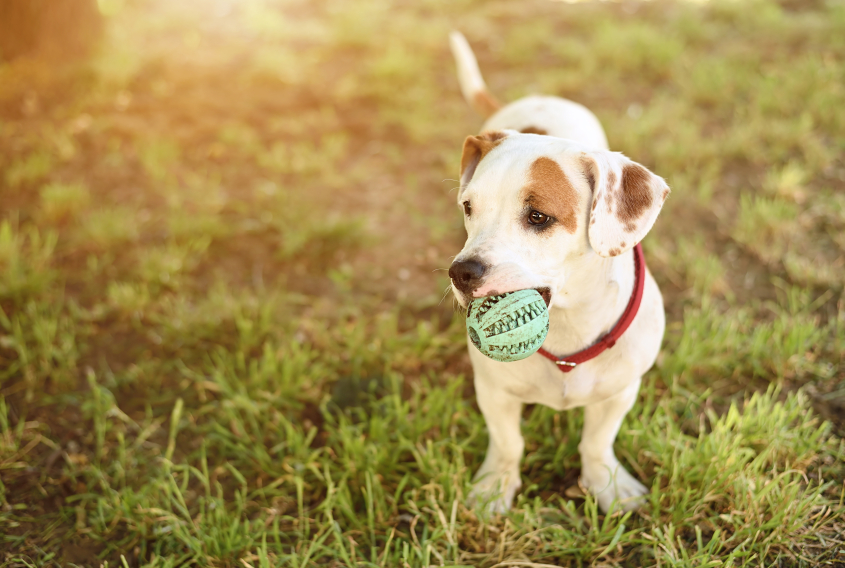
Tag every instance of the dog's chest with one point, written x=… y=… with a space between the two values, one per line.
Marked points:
x=562 y=391
x=538 y=381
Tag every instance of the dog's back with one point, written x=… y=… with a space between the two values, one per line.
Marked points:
x=552 y=116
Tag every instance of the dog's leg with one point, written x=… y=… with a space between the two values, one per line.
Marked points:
x=498 y=478
x=601 y=472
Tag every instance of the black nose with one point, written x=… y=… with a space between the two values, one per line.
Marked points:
x=467 y=274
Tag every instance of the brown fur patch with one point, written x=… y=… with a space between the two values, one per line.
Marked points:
x=611 y=181
x=492 y=135
x=610 y=190
x=636 y=195
x=533 y=130
x=476 y=147
x=587 y=164
x=485 y=104
x=613 y=252
x=551 y=192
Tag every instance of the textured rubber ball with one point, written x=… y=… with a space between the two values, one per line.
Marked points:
x=510 y=326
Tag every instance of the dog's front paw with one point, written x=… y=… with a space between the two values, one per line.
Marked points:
x=614 y=488
x=493 y=492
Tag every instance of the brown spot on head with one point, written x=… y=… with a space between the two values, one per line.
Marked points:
x=550 y=192
x=614 y=252
x=636 y=196
x=622 y=245
x=485 y=104
x=533 y=130
x=475 y=148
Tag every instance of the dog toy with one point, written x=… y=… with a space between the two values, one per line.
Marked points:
x=510 y=326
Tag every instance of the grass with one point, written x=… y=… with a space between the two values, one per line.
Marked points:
x=223 y=338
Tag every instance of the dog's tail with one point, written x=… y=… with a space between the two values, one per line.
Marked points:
x=472 y=84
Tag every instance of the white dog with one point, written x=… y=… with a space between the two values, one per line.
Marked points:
x=547 y=206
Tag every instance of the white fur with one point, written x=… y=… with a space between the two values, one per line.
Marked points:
x=558 y=117
x=589 y=292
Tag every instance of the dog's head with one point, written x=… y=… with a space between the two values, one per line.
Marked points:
x=537 y=207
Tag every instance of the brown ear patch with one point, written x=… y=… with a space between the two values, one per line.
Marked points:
x=636 y=195
x=485 y=104
x=610 y=190
x=476 y=147
x=533 y=130
x=587 y=164
x=550 y=192
x=492 y=135
x=611 y=180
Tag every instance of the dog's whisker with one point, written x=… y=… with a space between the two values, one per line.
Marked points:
x=456 y=305
x=445 y=293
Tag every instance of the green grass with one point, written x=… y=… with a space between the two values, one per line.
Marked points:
x=223 y=335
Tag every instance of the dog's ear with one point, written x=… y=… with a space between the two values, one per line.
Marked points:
x=475 y=148
x=626 y=201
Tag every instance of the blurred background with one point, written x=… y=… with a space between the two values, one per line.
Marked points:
x=224 y=233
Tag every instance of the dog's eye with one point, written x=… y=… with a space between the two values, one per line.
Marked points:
x=537 y=218
x=467 y=208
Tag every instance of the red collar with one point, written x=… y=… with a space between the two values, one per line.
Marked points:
x=566 y=364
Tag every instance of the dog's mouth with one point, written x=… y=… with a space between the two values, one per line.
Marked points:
x=546 y=293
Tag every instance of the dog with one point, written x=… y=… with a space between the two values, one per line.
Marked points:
x=547 y=206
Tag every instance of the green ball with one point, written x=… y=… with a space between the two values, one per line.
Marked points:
x=510 y=326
